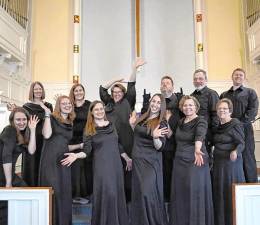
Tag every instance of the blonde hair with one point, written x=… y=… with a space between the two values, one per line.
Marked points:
x=57 y=112
x=187 y=97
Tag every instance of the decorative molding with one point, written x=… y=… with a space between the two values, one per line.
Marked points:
x=53 y=89
x=253 y=35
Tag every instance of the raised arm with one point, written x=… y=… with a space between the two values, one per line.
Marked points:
x=47 y=129
x=137 y=64
x=32 y=126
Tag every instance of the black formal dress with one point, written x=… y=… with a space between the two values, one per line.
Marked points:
x=172 y=104
x=9 y=153
x=191 y=197
x=228 y=137
x=208 y=99
x=53 y=174
x=245 y=108
x=147 y=206
x=109 y=204
x=118 y=113
x=30 y=163
x=81 y=170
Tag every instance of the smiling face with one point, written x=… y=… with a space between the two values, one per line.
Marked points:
x=238 y=78
x=117 y=94
x=98 y=112
x=189 y=107
x=166 y=86
x=223 y=111
x=199 y=80
x=79 y=93
x=65 y=106
x=20 y=120
x=37 y=91
x=155 y=104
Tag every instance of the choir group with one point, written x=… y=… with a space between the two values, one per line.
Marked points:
x=186 y=150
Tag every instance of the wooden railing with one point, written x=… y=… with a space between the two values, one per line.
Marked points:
x=18 y=9
x=252 y=11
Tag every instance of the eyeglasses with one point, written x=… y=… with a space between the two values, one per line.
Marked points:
x=117 y=92
x=65 y=103
x=224 y=109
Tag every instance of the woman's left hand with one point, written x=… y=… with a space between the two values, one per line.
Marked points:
x=233 y=155
x=71 y=157
x=160 y=132
x=199 y=158
x=33 y=122
x=128 y=164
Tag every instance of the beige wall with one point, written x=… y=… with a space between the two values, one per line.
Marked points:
x=223 y=36
x=51 y=45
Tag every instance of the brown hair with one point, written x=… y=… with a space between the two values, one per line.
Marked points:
x=167 y=77
x=22 y=139
x=186 y=97
x=229 y=103
x=123 y=89
x=240 y=70
x=31 y=95
x=153 y=123
x=71 y=95
x=57 y=113
x=90 y=128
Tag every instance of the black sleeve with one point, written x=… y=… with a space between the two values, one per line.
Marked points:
x=87 y=147
x=104 y=96
x=8 y=138
x=238 y=136
x=131 y=94
x=252 y=107
x=120 y=146
x=163 y=139
x=201 y=130
x=214 y=98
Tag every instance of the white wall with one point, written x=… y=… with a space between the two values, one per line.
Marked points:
x=107 y=42
x=167 y=43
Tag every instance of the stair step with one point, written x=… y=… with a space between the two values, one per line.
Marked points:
x=81 y=220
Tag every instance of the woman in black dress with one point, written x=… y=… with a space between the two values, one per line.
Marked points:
x=191 y=195
x=56 y=159
x=81 y=170
x=30 y=164
x=101 y=140
x=119 y=106
x=17 y=137
x=147 y=206
x=229 y=142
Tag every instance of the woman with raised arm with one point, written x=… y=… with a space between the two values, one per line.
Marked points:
x=30 y=164
x=119 y=106
x=229 y=142
x=191 y=194
x=81 y=170
x=101 y=141
x=16 y=138
x=150 y=130
x=56 y=159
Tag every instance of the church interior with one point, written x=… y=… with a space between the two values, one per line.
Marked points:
x=61 y=43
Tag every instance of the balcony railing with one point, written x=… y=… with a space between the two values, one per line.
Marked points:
x=252 y=11
x=18 y=9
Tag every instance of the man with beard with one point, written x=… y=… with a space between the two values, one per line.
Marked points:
x=208 y=99
x=172 y=105
x=245 y=103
